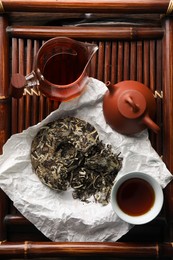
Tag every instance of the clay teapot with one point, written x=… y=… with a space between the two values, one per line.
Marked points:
x=129 y=107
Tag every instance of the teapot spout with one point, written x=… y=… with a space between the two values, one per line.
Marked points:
x=151 y=124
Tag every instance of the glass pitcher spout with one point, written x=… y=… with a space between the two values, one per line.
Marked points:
x=92 y=48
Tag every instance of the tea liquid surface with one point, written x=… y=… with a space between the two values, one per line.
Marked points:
x=135 y=197
x=63 y=69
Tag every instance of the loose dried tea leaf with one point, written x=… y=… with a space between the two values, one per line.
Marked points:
x=68 y=153
x=95 y=176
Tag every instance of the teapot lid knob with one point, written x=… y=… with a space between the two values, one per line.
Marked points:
x=131 y=104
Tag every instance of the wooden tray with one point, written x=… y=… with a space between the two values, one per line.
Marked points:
x=140 y=49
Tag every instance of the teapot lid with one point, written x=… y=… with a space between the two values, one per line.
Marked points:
x=131 y=104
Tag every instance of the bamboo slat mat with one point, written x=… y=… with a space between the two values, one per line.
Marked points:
x=119 y=59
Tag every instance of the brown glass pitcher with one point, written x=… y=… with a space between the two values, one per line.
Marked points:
x=129 y=107
x=60 y=69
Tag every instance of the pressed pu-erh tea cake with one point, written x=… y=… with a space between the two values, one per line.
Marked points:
x=68 y=153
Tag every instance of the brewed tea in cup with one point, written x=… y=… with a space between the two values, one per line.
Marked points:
x=137 y=198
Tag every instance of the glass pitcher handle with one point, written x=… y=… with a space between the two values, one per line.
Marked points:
x=19 y=82
x=17 y=85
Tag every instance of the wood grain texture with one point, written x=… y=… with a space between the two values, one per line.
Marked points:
x=96 y=32
x=126 y=6
x=29 y=249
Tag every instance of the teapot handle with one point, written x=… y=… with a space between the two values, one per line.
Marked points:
x=150 y=123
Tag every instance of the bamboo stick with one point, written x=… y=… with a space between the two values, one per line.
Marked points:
x=167 y=114
x=14 y=69
x=71 y=6
x=28 y=107
x=42 y=107
x=47 y=106
x=139 y=62
x=146 y=67
x=159 y=98
x=107 y=61
x=168 y=94
x=21 y=101
x=35 y=98
x=108 y=32
x=92 y=68
x=55 y=105
x=120 y=61
x=114 y=62
x=15 y=219
x=126 y=63
x=5 y=102
x=5 y=106
x=133 y=63
x=152 y=74
x=152 y=71
x=100 y=68
x=54 y=249
x=4 y=84
x=3 y=212
x=43 y=110
x=4 y=90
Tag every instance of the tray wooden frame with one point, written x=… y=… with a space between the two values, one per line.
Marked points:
x=15 y=38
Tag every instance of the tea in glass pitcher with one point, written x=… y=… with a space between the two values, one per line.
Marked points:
x=60 y=69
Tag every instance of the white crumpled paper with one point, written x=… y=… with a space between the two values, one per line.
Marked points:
x=56 y=214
